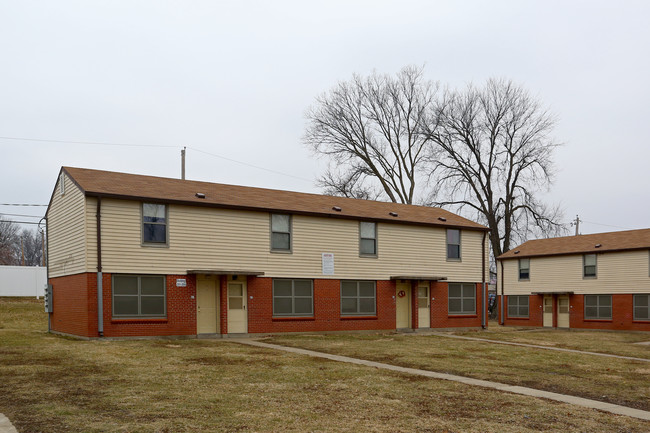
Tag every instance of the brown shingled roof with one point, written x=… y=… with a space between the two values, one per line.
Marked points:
x=582 y=244
x=138 y=187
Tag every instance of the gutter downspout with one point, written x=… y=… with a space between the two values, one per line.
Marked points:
x=484 y=296
x=100 y=291
x=502 y=295
x=47 y=271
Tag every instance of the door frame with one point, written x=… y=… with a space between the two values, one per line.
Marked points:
x=404 y=285
x=238 y=279
x=428 y=308
x=552 y=313
x=217 y=297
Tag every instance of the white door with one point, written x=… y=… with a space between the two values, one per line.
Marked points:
x=403 y=305
x=237 y=313
x=548 y=311
x=207 y=310
x=424 y=306
x=563 y=311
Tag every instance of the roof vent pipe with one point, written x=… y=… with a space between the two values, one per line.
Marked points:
x=442 y=218
x=598 y=245
x=199 y=195
x=393 y=214
x=336 y=208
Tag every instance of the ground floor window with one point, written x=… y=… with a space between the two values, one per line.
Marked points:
x=139 y=296
x=598 y=306
x=462 y=298
x=293 y=297
x=518 y=306
x=642 y=307
x=358 y=298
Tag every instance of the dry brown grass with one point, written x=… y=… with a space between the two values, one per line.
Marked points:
x=617 y=343
x=55 y=384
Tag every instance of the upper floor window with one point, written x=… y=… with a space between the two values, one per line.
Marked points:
x=280 y=232
x=367 y=239
x=642 y=307
x=524 y=269
x=453 y=244
x=589 y=265
x=154 y=223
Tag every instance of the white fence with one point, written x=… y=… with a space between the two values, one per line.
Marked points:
x=22 y=280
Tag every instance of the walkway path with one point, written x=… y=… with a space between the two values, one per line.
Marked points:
x=510 y=343
x=579 y=401
x=6 y=426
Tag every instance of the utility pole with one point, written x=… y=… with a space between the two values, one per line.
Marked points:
x=576 y=223
x=183 y=163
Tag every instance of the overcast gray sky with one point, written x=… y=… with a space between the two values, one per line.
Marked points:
x=234 y=78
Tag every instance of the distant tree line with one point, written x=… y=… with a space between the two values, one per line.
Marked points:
x=20 y=247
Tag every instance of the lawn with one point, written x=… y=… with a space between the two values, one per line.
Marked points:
x=56 y=384
x=616 y=343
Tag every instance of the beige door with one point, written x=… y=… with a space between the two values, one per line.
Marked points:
x=424 y=315
x=548 y=310
x=563 y=311
x=207 y=306
x=237 y=313
x=403 y=305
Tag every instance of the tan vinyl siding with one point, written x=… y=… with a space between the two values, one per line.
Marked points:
x=66 y=231
x=202 y=238
x=617 y=272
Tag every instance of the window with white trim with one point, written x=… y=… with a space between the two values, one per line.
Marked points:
x=367 y=239
x=453 y=244
x=293 y=297
x=524 y=269
x=598 y=306
x=589 y=266
x=154 y=223
x=280 y=232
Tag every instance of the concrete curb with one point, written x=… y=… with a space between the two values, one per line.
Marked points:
x=535 y=346
x=6 y=426
x=578 y=401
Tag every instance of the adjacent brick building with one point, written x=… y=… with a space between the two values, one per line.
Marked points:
x=158 y=256
x=597 y=281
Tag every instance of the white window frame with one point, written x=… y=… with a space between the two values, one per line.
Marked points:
x=641 y=307
x=139 y=296
x=462 y=298
x=145 y=242
x=584 y=266
x=447 y=244
x=290 y=233
x=598 y=307
x=519 y=305
x=293 y=298
x=361 y=239
x=526 y=268
x=358 y=297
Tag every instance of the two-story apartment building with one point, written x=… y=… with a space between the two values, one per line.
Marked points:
x=133 y=255
x=598 y=281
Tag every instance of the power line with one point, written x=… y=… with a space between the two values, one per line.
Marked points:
x=22 y=204
x=20 y=215
x=99 y=143
x=24 y=222
x=606 y=225
x=247 y=164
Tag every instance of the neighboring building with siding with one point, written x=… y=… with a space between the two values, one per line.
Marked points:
x=598 y=281
x=160 y=256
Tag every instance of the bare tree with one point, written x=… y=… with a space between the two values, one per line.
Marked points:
x=372 y=130
x=31 y=244
x=8 y=238
x=492 y=157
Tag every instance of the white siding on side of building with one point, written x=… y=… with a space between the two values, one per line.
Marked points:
x=617 y=272
x=209 y=238
x=66 y=232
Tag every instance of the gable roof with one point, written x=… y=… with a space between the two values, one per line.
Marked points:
x=582 y=244
x=168 y=190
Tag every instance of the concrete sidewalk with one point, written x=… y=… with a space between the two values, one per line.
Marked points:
x=535 y=346
x=6 y=426
x=579 y=401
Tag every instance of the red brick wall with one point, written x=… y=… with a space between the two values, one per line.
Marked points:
x=622 y=314
x=72 y=304
x=440 y=317
x=181 y=312
x=327 y=305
